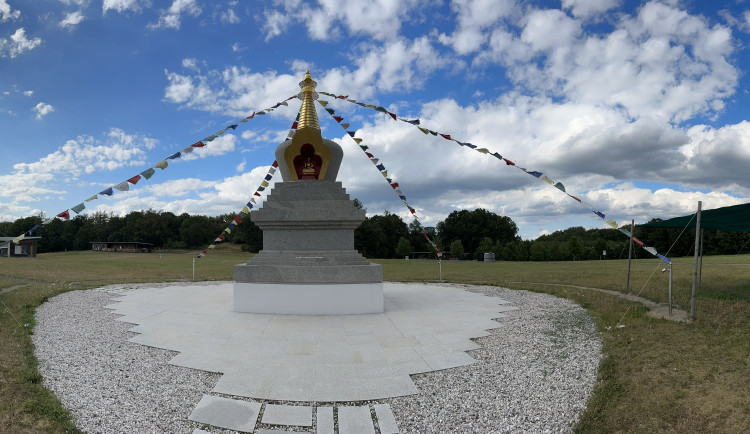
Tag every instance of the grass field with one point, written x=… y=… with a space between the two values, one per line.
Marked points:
x=657 y=375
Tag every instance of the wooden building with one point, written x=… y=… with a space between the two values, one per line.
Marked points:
x=121 y=246
x=26 y=248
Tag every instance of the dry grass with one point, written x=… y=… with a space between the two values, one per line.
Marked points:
x=657 y=376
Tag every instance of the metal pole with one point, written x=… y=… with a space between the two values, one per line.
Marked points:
x=193 y=268
x=670 y=289
x=440 y=263
x=700 y=268
x=695 y=260
x=630 y=256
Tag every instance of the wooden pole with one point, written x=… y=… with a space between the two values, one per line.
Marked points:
x=700 y=268
x=695 y=260
x=630 y=256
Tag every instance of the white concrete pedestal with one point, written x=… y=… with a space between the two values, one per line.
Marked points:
x=308 y=298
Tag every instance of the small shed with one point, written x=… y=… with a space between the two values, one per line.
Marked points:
x=25 y=248
x=122 y=246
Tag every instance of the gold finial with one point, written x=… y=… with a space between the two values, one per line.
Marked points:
x=308 y=115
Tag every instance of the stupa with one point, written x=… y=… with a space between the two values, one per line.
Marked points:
x=308 y=264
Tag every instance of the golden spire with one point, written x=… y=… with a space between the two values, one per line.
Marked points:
x=308 y=115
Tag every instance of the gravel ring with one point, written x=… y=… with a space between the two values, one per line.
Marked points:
x=534 y=373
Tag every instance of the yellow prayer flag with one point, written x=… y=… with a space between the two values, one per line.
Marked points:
x=324 y=103
x=161 y=164
x=264 y=184
x=424 y=130
x=547 y=180
x=246 y=210
x=612 y=223
x=94 y=197
x=483 y=150
x=357 y=139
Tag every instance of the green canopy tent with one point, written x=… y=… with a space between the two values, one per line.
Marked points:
x=734 y=218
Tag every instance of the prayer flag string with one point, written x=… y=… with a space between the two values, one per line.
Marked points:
x=148 y=173
x=539 y=175
x=381 y=168
x=245 y=212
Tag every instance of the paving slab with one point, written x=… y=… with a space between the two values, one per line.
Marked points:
x=279 y=431
x=386 y=419
x=226 y=413
x=355 y=420
x=294 y=415
x=324 y=420
x=306 y=358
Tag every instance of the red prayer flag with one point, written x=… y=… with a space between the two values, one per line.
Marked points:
x=198 y=145
x=394 y=185
x=338 y=118
x=134 y=180
x=342 y=96
x=508 y=162
x=238 y=219
x=257 y=194
x=275 y=164
x=294 y=125
x=204 y=252
x=637 y=241
x=412 y=210
x=392 y=115
x=446 y=136
x=574 y=197
x=64 y=215
x=251 y=116
x=369 y=155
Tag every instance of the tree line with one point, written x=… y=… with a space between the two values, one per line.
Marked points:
x=465 y=234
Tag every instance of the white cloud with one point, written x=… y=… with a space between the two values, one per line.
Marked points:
x=662 y=62
x=235 y=91
x=124 y=5
x=219 y=146
x=241 y=167
x=71 y=20
x=192 y=195
x=172 y=18
x=229 y=17
x=379 y=19
x=7 y=12
x=474 y=17
x=28 y=92
x=18 y=44
x=396 y=65
x=42 y=109
x=588 y=8
x=47 y=177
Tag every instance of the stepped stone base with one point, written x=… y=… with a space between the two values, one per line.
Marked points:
x=308 y=264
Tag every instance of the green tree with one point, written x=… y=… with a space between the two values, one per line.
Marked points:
x=404 y=247
x=471 y=227
x=486 y=245
x=537 y=251
x=377 y=236
x=457 y=249
x=576 y=248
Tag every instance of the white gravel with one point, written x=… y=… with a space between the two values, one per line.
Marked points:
x=534 y=373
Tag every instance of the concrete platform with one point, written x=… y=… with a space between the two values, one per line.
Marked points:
x=313 y=358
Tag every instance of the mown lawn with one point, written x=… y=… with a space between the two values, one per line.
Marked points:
x=657 y=375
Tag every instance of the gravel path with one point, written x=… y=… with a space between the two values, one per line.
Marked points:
x=534 y=373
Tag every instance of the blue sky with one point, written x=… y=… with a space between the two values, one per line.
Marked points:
x=638 y=108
